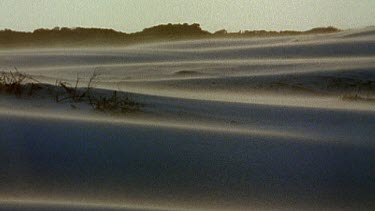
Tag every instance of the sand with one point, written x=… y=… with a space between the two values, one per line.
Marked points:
x=262 y=123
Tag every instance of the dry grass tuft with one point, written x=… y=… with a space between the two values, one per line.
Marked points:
x=16 y=83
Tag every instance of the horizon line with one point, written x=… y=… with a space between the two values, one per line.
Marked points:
x=163 y=24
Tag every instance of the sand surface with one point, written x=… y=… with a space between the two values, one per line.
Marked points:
x=240 y=124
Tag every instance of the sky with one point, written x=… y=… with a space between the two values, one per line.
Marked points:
x=213 y=15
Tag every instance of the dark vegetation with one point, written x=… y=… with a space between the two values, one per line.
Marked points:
x=94 y=36
x=12 y=83
x=19 y=84
x=361 y=89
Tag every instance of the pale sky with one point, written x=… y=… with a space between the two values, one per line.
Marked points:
x=233 y=15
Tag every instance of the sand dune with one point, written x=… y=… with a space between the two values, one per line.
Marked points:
x=240 y=124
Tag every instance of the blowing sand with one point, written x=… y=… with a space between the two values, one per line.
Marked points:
x=271 y=123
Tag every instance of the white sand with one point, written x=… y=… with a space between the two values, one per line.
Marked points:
x=229 y=124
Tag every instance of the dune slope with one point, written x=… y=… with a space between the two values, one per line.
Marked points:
x=271 y=123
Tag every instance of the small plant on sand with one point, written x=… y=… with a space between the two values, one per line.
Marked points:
x=356 y=97
x=362 y=93
x=16 y=83
x=11 y=83
x=75 y=94
x=114 y=103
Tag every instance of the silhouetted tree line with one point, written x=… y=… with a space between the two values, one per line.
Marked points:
x=98 y=36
